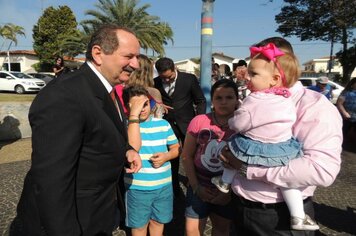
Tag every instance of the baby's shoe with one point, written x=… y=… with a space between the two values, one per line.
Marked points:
x=303 y=224
x=223 y=187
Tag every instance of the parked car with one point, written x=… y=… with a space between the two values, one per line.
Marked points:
x=337 y=88
x=19 y=82
x=46 y=77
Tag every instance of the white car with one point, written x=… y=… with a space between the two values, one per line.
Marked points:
x=337 y=88
x=19 y=82
x=46 y=77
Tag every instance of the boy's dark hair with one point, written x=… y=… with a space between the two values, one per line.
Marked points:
x=163 y=64
x=224 y=83
x=132 y=91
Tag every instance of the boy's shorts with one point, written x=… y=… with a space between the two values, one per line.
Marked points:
x=198 y=209
x=143 y=205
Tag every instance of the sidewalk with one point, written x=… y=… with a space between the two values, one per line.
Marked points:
x=335 y=206
x=11 y=151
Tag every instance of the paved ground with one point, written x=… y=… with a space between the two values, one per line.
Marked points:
x=335 y=206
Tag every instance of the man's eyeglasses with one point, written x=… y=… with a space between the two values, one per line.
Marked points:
x=168 y=76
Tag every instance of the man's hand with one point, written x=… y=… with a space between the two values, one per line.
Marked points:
x=134 y=160
x=166 y=108
x=229 y=160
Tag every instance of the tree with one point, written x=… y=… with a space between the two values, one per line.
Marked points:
x=330 y=20
x=151 y=33
x=348 y=60
x=74 y=44
x=51 y=29
x=9 y=32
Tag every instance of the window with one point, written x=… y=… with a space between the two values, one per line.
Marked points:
x=14 y=66
x=3 y=75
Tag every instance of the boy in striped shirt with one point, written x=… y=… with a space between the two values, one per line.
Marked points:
x=149 y=196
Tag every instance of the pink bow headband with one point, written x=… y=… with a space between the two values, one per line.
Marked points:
x=271 y=52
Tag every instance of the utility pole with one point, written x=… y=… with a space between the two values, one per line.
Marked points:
x=330 y=63
x=8 y=57
x=205 y=49
x=39 y=24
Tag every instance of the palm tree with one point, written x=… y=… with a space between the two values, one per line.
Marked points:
x=72 y=44
x=150 y=31
x=9 y=32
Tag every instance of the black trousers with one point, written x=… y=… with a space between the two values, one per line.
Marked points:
x=253 y=218
x=175 y=162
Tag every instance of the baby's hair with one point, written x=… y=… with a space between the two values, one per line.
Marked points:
x=288 y=62
x=224 y=83
x=290 y=65
x=131 y=91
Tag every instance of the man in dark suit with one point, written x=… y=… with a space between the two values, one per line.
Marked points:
x=182 y=92
x=79 y=142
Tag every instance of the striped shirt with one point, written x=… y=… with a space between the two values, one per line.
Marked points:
x=156 y=135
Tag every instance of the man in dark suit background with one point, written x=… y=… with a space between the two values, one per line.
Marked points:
x=181 y=91
x=79 y=143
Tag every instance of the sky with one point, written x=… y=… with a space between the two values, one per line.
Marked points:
x=237 y=24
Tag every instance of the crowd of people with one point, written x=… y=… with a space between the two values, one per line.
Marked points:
x=108 y=139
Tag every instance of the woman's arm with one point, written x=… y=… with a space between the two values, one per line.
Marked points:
x=55 y=70
x=188 y=153
x=340 y=105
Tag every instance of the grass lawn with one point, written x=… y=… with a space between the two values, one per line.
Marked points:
x=13 y=97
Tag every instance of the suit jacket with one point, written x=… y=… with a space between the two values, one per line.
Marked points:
x=187 y=93
x=79 y=145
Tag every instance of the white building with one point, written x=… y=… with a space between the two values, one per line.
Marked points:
x=187 y=65
x=320 y=65
x=23 y=60
x=222 y=59
x=20 y=60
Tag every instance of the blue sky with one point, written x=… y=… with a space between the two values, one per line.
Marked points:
x=237 y=24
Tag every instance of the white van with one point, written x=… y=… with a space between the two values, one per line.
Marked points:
x=19 y=82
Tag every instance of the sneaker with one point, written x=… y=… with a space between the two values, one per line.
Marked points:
x=223 y=187
x=303 y=224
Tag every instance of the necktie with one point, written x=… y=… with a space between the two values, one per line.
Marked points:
x=113 y=97
x=171 y=89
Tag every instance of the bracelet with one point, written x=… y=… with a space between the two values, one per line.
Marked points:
x=133 y=116
x=134 y=121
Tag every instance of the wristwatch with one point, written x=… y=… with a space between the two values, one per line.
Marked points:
x=243 y=170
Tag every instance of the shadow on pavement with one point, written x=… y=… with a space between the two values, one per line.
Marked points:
x=9 y=128
x=349 y=146
x=3 y=143
x=343 y=221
